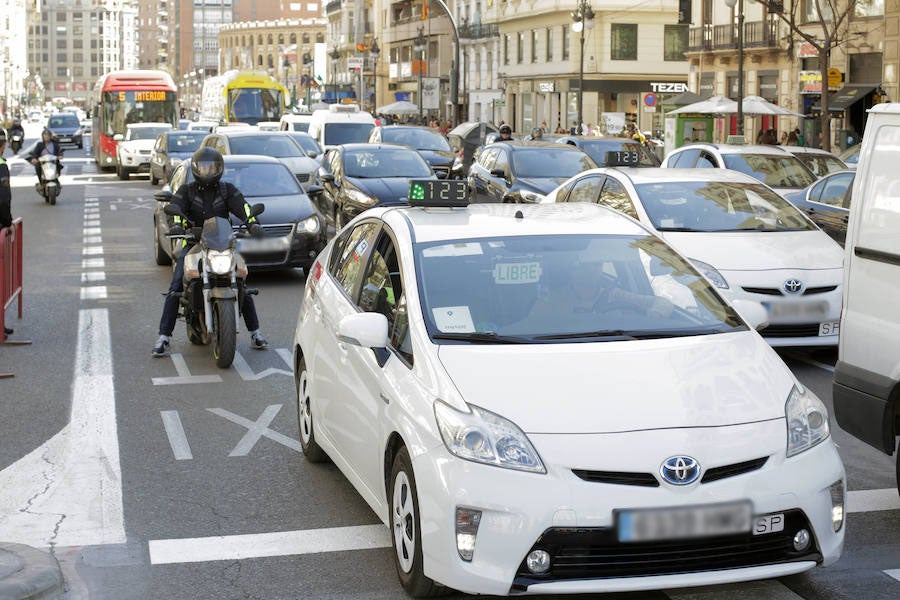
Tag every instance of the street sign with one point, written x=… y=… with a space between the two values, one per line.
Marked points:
x=355 y=63
x=835 y=77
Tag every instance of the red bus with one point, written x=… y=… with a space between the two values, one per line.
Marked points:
x=124 y=97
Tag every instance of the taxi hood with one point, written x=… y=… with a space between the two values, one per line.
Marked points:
x=759 y=250
x=610 y=387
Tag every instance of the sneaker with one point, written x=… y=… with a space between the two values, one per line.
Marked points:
x=258 y=342
x=162 y=346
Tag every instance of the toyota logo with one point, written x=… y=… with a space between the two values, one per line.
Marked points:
x=680 y=470
x=793 y=286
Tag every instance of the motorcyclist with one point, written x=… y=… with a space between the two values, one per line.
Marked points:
x=505 y=133
x=47 y=145
x=204 y=198
x=16 y=130
x=537 y=134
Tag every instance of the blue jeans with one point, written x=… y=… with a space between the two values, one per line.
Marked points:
x=170 y=306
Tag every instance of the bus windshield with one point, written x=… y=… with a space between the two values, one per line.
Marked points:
x=252 y=105
x=139 y=106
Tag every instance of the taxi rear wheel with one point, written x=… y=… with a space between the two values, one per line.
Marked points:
x=311 y=449
x=406 y=535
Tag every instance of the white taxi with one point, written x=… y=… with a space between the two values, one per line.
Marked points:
x=509 y=394
x=750 y=242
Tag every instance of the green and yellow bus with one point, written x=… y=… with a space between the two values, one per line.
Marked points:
x=243 y=97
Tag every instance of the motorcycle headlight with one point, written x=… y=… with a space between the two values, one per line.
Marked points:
x=532 y=197
x=710 y=273
x=484 y=437
x=361 y=198
x=807 y=421
x=219 y=262
x=308 y=225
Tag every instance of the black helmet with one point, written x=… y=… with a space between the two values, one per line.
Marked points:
x=17 y=121
x=207 y=166
x=506 y=129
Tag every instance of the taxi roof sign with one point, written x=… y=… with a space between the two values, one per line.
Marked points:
x=444 y=193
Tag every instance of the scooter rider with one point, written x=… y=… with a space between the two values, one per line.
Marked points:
x=47 y=145
x=16 y=130
x=204 y=198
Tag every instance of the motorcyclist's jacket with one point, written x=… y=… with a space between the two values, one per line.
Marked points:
x=201 y=203
x=15 y=130
x=41 y=149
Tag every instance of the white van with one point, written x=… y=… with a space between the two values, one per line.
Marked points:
x=341 y=124
x=867 y=375
x=295 y=122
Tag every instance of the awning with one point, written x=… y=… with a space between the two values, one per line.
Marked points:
x=846 y=97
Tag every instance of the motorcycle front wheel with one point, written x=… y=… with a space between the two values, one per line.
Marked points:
x=225 y=333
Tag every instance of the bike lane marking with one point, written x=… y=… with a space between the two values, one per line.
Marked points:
x=175 y=432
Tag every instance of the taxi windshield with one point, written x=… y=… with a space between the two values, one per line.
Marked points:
x=545 y=289
x=718 y=206
x=550 y=162
x=772 y=170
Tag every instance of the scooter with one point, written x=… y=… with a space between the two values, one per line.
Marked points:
x=15 y=142
x=214 y=289
x=48 y=184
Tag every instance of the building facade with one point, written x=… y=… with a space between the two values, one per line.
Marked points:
x=17 y=83
x=153 y=34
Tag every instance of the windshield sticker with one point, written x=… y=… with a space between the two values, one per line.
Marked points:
x=465 y=249
x=453 y=319
x=361 y=248
x=516 y=273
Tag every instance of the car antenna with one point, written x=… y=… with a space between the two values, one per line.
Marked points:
x=519 y=214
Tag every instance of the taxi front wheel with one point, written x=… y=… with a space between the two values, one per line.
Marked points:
x=311 y=449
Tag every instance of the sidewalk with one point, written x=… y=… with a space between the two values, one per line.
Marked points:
x=28 y=574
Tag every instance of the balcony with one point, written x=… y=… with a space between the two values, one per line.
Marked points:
x=476 y=31
x=757 y=34
x=333 y=7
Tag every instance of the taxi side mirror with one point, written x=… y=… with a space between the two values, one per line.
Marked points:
x=366 y=329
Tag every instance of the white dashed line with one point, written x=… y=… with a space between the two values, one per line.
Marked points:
x=92 y=250
x=175 y=432
x=93 y=293
x=93 y=239
x=93 y=276
x=872 y=500
x=93 y=263
x=91 y=231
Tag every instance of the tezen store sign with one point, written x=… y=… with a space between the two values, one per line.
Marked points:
x=667 y=87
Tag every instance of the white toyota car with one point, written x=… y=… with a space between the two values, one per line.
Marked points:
x=750 y=242
x=508 y=393
x=134 y=148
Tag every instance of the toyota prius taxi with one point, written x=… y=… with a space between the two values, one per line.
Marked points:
x=512 y=395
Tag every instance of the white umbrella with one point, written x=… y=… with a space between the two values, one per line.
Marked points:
x=717 y=105
x=400 y=107
x=757 y=105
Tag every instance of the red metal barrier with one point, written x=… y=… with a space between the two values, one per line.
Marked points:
x=10 y=275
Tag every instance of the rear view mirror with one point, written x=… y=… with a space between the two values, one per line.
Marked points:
x=441 y=174
x=257 y=209
x=162 y=196
x=312 y=154
x=366 y=329
x=314 y=190
x=498 y=173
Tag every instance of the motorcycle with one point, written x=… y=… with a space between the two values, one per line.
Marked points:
x=15 y=142
x=214 y=288
x=48 y=184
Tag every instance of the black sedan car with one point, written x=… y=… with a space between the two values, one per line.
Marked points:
x=356 y=177
x=524 y=171
x=827 y=202
x=597 y=147
x=431 y=144
x=170 y=149
x=66 y=128
x=294 y=231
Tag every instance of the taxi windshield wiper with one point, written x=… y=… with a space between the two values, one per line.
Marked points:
x=678 y=229
x=488 y=337
x=603 y=333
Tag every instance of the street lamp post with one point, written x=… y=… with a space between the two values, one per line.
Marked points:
x=584 y=19
x=419 y=46
x=740 y=41
x=374 y=52
x=334 y=55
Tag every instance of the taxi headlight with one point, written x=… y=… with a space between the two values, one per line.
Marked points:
x=710 y=273
x=807 y=421
x=361 y=198
x=308 y=225
x=484 y=437
x=219 y=262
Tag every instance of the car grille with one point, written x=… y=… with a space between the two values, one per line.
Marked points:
x=776 y=292
x=596 y=553
x=792 y=330
x=274 y=230
x=144 y=152
x=302 y=177
x=649 y=480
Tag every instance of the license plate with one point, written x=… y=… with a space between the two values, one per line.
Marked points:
x=65 y=139
x=683 y=522
x=768 y=524
x=796 y=310
x=250 y=245
x=830 y=328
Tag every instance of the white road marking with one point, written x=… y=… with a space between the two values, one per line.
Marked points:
x=895 y=573
x=91 y=276
x=247 y=374
x=91 y=231
x=92 y=239
x=91 y=210
x=872 y=500
x=92 y=223
x=92 y=250
x=256 y=430
x=68 y=491
x=184 y=374
x=287 y=357
x=259 y=545
x=180 y=447
x=93 y=263
x=97 y=292
x=113 y=207
x=767 y=589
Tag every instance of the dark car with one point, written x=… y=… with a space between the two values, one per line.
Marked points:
x=294 y=231
x=431 y=144
x=170 y=149
x=356 y=177
x=280 y=144
x=66 y=128
x=597 y=147
x=827 y=203
x=309 y=145
x=524 y=171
